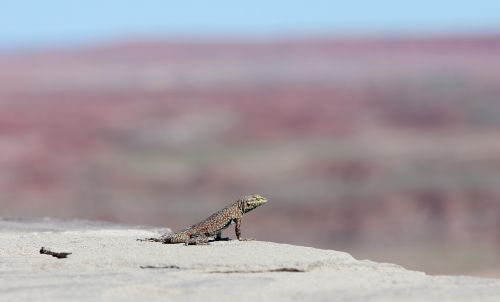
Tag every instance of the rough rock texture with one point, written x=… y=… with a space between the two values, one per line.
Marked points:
x=107 y=263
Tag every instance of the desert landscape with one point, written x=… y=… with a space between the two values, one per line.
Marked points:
x=386 y=148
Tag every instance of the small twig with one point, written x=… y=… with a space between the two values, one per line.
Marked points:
x=54 y=254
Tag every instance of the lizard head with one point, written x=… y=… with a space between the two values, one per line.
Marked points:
x=249 y=203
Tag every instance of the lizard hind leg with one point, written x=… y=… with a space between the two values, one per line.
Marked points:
x=198 y=240
x=175 y=238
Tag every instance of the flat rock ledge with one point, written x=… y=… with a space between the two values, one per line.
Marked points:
x=107 y=263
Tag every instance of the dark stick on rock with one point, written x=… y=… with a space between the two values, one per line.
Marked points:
x=162 y=267
x=54 y=254
x=276 y=270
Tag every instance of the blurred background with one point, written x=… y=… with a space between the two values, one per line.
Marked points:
x=373 y=127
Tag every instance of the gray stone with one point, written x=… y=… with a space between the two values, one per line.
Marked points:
x=107 y=263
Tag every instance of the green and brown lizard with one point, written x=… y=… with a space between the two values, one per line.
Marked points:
x=213 y=226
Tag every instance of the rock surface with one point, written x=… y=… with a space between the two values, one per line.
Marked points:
x=107 y=263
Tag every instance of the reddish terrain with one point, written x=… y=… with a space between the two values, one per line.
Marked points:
x=388 y=148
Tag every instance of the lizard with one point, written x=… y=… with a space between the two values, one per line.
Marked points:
x=213 y=226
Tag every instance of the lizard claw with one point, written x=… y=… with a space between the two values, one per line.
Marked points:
x=246 y=239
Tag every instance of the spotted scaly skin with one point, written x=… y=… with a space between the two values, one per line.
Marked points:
x=213 y=226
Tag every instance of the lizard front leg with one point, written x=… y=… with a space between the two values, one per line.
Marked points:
x=237 y=230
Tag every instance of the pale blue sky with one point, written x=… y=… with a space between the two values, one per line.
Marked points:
x=47 y=22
